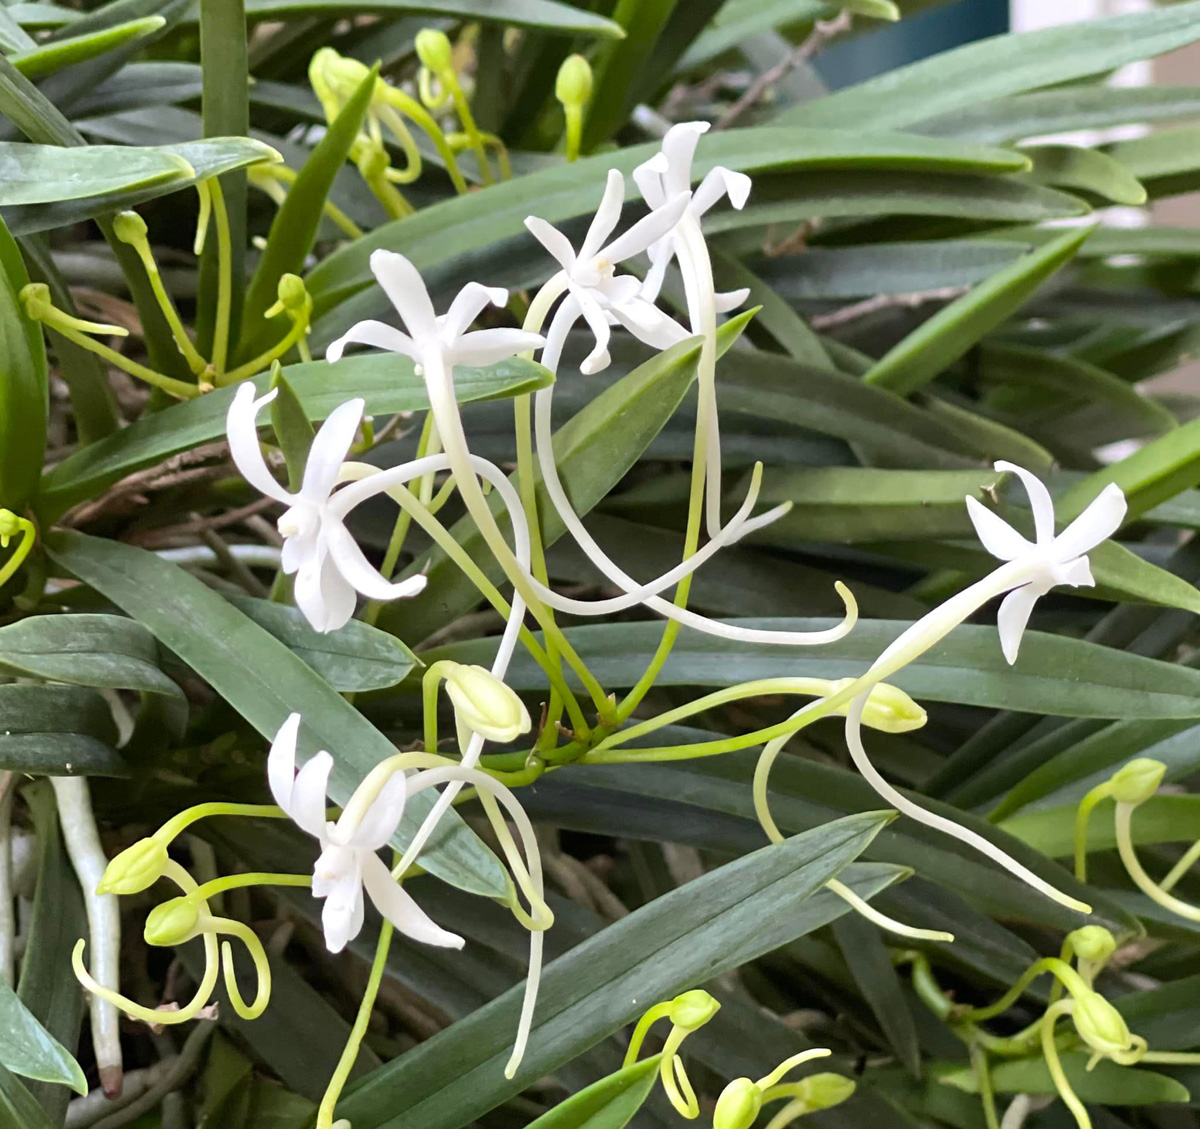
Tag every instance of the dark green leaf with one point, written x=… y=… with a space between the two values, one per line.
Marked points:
x=607 y=1104
x=1107 y=1083
x=1085 y=170
x=105 y=651
x=57 y=731
x=45 y=59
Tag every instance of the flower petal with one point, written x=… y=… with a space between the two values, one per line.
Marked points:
x=648 y=230
x=406 y=290
x=1039 y=501
x=607 y=216
x=322 y=594
x=329 y=449
x=1014 y=613
x=399 y=907
x=241 y=428
x=468 y=304
x=307 y=804
x=717 y=183
x=377 y=334
x=679 y=147
x=730 y=299
x=383 y=815
x=648 y=176
x=1097 y=523
x=998 y=537
x=342 y=915
x=487 y=346
x=649 y=324
x=553 y=240
x=556 y=336
x=598 y=359
x=359 y=573
x=281 y=762
x=660 y=258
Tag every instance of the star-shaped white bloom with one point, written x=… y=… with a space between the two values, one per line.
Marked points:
x=594 y=291
x=669 y=173
x=349 y=860
x=1051 y=560
x=434 y=341
x=329 y=566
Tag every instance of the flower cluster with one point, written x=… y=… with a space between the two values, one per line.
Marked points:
x=331 y=571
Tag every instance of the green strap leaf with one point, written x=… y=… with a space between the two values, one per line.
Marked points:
x=386 y=381
x=1086 y=170
x=607 y=1104
x=57 y=731
x=54 y=56
x=261 y=679
x=730 y=916
x=988 y=69
x=24 y=384
x=28 y=1049
x=106 y=651
x=947 y=335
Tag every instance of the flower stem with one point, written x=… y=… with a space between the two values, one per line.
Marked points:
x=350 y=1054
x=28 y=536
x=1050 y=1052
x=221 y=327
x=1141 y=879
x=178 y=388
x=186 y=346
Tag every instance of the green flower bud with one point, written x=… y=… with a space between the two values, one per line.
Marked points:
x=10 y=525
x=293 y=297
x=738 y=1106
x=1101 y=1026
x=135 y=869
x=434 y=50
x=573 y=86
x=173 y=922
x=35 y=297
x=1137 y=781
x=693 y=1009
x=372 y=161
x=1093 y=942
x=888 y=708
x=823 y=1091
x=129 y=227
x=485 y=705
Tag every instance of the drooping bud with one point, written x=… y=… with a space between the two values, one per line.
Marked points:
x=1093 y=943
x=738 y=1106
x=35 y=297
x=1137 y=781
x=293 y=297
x=172 y=923
x=823 y=1091
x=1101 y=1026
x=888 y=709
x=573 y=87
x=485 y=705
x=693 y=1009
x=129 y=228
x=10 y=526
x=434 y=50
x=135 y=869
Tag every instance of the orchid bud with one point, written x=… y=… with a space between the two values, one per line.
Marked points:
x=738 y=1106
x=1093 y=943
x=1100 y=1025
x=573 y=86
x=129 y=228
x=823 y=1091
x=693 y=1009
x=1137 y=781
x=135 y=869
x=888 y=708
x=485 y=705
x=434 y=50
x=373 y=161
x=10 y=526
x=172 y=923
x=35 y=297
x=292 y=297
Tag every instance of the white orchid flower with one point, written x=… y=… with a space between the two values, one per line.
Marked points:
x=434 y=342
x=594 y=291
x=1051 y=560
x=349 y=862
x=668 y=174
x=1030 y=569
x=330 y=568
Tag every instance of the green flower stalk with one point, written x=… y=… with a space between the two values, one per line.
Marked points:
x=39 y=306
x=437 y=58
x=335 y=79
x=294 y=301
x=687 y=1013
x=741 y=1101
x=10 y=526
x=277 y=180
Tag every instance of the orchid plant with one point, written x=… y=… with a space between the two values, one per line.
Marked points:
x=331 y=570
